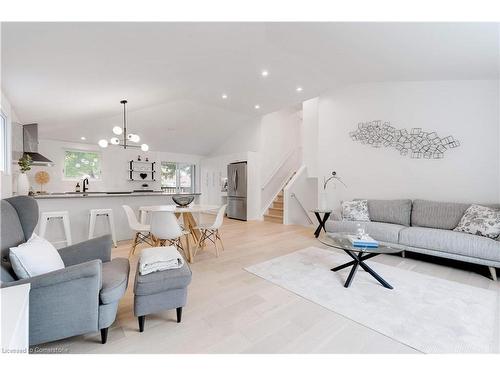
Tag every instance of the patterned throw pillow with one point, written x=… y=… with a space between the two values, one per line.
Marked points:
x=355 y=210
x=480 y=220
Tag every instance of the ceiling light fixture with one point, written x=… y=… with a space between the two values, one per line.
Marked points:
x=264 y=73
x=299 y=89
x=257 y=106
x=224 y=96
x=126 y=137
x=83 y=138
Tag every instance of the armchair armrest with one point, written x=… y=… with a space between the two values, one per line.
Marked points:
x=96 y=248
x=90 y=269
x=65 y=302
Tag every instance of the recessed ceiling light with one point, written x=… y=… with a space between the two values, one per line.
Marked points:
x=83 y=138
x=257 y=106
x=299 y=89
x=224 y=96
x=264 y=73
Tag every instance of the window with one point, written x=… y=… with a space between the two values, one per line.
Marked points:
x=81 y=164
x=177 y=177
x=4 y=144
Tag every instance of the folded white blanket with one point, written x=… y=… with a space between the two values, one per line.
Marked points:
x=159 y=259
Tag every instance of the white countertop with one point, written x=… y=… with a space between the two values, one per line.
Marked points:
x=106 y=194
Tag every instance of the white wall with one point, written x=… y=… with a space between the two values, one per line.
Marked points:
x=309 y=136
x=114 y=166
x=247 y=138
x=280 y=135
x=467 y=110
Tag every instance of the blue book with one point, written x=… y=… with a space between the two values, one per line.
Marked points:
x=366 y=241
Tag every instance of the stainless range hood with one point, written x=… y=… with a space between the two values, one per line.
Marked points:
x=30 y=145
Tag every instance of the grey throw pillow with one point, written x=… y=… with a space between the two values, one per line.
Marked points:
x=480 y=220
x=355 y=210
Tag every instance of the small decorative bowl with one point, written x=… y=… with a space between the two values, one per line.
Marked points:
x=183 y=200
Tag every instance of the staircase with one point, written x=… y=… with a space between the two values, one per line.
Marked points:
x=275 y=211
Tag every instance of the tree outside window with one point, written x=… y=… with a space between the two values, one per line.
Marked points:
x=81 y=164
x=177 y=177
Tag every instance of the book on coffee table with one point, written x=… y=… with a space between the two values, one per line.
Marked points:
x=365 y=241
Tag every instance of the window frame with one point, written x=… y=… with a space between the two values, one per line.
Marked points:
x=64 y=178
x=177 y=176
x=6 y=144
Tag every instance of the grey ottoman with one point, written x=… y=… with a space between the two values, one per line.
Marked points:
x=158 y=291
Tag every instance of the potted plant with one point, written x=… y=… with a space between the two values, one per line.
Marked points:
x=23 y=184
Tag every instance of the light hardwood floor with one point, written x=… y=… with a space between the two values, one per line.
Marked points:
x=232 y=311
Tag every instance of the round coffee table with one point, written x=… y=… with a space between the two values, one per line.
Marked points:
x=358 y=254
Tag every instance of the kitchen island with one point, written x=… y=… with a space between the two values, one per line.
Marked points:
x=79 y=204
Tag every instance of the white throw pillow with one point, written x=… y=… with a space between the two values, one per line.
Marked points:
x=480 y=220
x=35 y=257
x=355 y=210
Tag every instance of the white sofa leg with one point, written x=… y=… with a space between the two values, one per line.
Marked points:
x=493 y=272
x=403 y=254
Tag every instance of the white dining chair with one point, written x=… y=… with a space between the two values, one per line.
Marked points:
x=211 y=232
x=142 y=231
x=166 y=229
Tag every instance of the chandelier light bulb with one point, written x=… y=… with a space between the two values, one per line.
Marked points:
x=133 y=137
x=144 y=147
x=117 y=130
x=114 y=141
x=103 y=143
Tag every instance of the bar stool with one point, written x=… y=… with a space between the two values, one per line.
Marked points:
x=57 y=215
x=108 y=212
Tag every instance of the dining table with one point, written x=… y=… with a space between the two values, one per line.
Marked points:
x=186 y=212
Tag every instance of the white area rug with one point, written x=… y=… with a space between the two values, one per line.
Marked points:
x=427 y=313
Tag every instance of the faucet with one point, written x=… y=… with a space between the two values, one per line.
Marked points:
x=85 y=184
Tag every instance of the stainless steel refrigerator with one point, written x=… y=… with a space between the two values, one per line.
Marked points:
x=237 y=190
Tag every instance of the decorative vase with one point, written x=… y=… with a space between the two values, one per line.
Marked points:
x=23 y=184
x=323 y=200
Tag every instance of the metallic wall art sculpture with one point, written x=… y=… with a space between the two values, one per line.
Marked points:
x=415 y=143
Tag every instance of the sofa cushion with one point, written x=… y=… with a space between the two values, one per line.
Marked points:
x=114 y=280
x=440 y=215
x=449 y=241
x=356 y=210
x=161 y=281
x=395 y=211
x=383 y=232
x=480 y=220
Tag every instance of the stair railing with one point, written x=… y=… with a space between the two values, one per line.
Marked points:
x=293 y=195
x=279 y=178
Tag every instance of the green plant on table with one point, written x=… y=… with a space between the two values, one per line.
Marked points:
x=25 y=163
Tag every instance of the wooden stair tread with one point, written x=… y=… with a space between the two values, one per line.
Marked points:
x=273 y=216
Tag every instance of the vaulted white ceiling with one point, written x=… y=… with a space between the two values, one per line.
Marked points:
x=70 y=77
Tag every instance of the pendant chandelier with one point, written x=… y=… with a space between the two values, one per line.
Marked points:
x=128 y=139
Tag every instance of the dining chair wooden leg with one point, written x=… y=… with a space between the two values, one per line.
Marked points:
x=199 y=242
x=188 y=248
x=214 y=237
x=134 y=244
x=220 y=240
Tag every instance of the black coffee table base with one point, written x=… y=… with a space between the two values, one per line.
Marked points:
x=359 y=261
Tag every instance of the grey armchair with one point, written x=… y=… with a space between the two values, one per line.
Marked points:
x=81 y=298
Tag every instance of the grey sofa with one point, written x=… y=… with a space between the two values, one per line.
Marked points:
x=81 y=298
x=425 y=227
